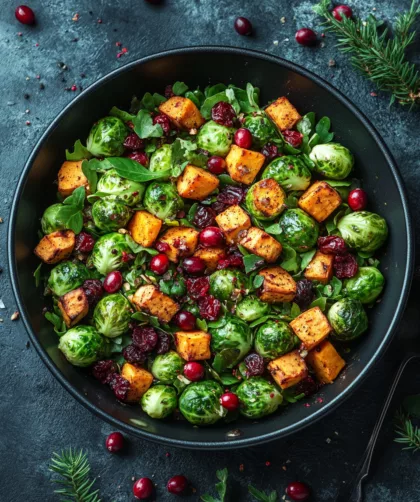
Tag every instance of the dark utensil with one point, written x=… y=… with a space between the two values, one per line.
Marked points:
x=201 y=66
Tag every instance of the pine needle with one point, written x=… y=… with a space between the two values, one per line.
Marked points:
x=408 y=434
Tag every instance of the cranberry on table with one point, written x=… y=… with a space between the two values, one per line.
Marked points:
x=342 y=10
x=25 y=14
x=211 y=237
x=143 y=488
x=306 y=36
x=93 y=290
x=185 y=320
x=114 y=442
x=194 y=371
x=216 y=165
x=177 y=485
x=113 y=282
x=84 y=242
x=223 y=113
x=298 y=491
x=139 y=157
x=164 y=122
x=357 y=199
x=243 y=26
x=194 y=265
x=159 y=264
x=243 y=138
x=133 y=142
x=229 y=401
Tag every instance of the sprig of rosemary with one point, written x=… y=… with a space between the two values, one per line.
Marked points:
x=376 y=54
x=408 y=434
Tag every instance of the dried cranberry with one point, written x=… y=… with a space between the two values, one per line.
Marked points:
x=297 y=491
x=294 y=138
x=143 y=488
x=25 y=14
x=164 y=343
x=304 y=293
x=114 y=442
x=84 y=242
x=164 y=122
x=102 y=370
x=198 y=287
x=229 y=196
x=243 y=26
x=357 y=199
x=270 y=151
x=133 y=142
x=93 y=290
x=211 y=237
x=185 y=320
x=223 y=113
x=216 y=165
x=169 y=93
x=307 y=386
x=139 y=157
x=332 y=244
x=113 y=281
x=306 y=36
x=345 y=266
x=209 y=307
x=177 y=485
x=342 y=10
x=254 y=364
x=145 y=338
x=234 y=259
x=133 y=354
x=194 y=371
x=204 y=217
x=120 y=386
x=162 y=247
x=243 y=138
x=159 y=264
x=126 y=257
x=194 y=265
x=230 y=401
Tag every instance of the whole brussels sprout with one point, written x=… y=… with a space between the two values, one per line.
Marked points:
x=251 y=308
x=273 y=339
x=162 y=200
x=108 y=252
x=161 y=160
x=51 y=221
x=363 y=231
x=289 y=172
x=265 y=199
x=67 y=276
x=109 y=215
x=224 y=284
x=81 y=345
x=332 y=160
x=215 y=138
x=199 y=403
x=166 y=367
x=298 y=230
x=258 y=398
x=348 y=319
x=106 y=138
x=120 y=189
x=366 y=285
x=261 y=128
x=112 y=315
x=235 y=334
x=159 y=401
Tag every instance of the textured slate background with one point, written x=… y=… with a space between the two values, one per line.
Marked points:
x=37 y=415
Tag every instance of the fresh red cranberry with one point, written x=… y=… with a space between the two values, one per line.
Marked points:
x=230 y=401
x=294 y=138
x=332 y=244
x=103 y=370
x=243 y=138
x=143 y=488
x=270 y=151
x=113 y=281
x=93 y=290
x=306 y=36
x=304 y=293
x=145 y=338
x=298 y=491
x=185 y=320
x=216 y=165
x=133 y=142
x=177 y=485
x=163 y=344
x=132 y=354
x=307 y=386
x=25 y=14
x=243 y=26
x=84 y=242
x=164 y=122
x=357 y=199
x=254 y=364
x=119 y=385
x=114 y=442
x=211 y=237
x=204 y=217
x=342 y=10
x=169 y=93
x=194 y=371
x=345 y=266
x=223 y=113
x=194 y=265
x=159 y=264
x=198 y=287
x=209 y=308
x=126 y=257
x=140 y=157
x=162 y=247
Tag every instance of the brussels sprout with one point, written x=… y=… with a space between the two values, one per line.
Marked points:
x=363 y=231
x=265 y=200
x=273 y=339
x=81 y=345
x=251 y=308
x=199 y=403
x=67 y=276
x=106 y=138
x=161 y=160
x=348 y=319
x=50 y=221
x=166 y=367
x=162 y=200
x=366 y=285
x=109 y=215
x=298 y=230
x=112 y=315
x=159 y=401
x=261 y=128
x=120 y=189
x=215 y=138
x=227 y=284
x=235 y=334
x=289 y=172
x=108 y=252
x=258 y=398
x=332 y=160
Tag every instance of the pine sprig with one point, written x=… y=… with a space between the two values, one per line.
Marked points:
x=408 y=434
x=73 y=467
x=377 y=55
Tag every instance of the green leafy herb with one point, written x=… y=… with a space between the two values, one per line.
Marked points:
x=144 y=127
x=201 y=324
x=71 y=210
x=250 y=92
x=274 y=229
x=333 y=289
x=252 y=262
x=221 y=487
x=291 y=260
x=320 y=302
x=121 y=114
x=132 y=170
x=217 y=324
x=261 y=496
x=184 y=152
x=228 y=379
x=295 y=310
x=91 y=175
x=290 y=397
x=224 y=359
x=306 y=258
x=306 y=124
x=179 y=88
x=407 y=433
x=80 y=152
x=262 y=320
x=227 y=95
x=247 y=99
x=137 y=248
x=58 y=323
x=37 y=275
x=225 y=179
x=258 y=281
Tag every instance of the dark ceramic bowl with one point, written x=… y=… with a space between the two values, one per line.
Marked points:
x=201 y=66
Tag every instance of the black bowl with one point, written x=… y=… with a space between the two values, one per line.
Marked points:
x=201 y=66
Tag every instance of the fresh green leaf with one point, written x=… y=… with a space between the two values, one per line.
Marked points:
x=294 y=311
x=290 y=260
x=262 y=320
x=214 y=89
x=179 y=385
x=201 y=324
x=58 y=323
x=243 y=250
x=228 y=379
x=76 y=199
x=274 y=229
x=132 y=170
x=306 y=124
x=290 y=397
x=225 y=179
x=217 y=324
x=252 y=262
x=228 y=96
x=148 y=102
x=37 y=275
x=323 y=130
x=121 y=114
x=137 y=248
x=258 y=281
x=179 y=88
x=338 y=183
x=80 y=152
x=411 y=405
x=197 y=97
x=243 y=100
x=319 y=302
x=306 y=258
x=261 y=496
x=144 y=127
x=251 y=96
x=91 y=175
x=224 y=359
x=221 y=487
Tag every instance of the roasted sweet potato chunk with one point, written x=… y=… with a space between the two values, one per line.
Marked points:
x=320 y=268
x=320 y=200
x=278 y=286
x=326 y=362
x=193 y=345
x=261 y=244
x=244 y=165
x=70 y=177
x=182 y=112
x=152 y=301
x=56 y=247
x=288 y=370
x=74 y=306
x=182 y=242
x=139 y=379
x=144 y=228
x=196 y=183
x=232 y=221
x=311 y=327
x=283 y=113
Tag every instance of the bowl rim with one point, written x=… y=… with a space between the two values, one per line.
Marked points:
x=240 y=442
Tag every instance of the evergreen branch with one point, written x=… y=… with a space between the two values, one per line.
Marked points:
x=407 y=434
x=376 y=55
x=73 y=467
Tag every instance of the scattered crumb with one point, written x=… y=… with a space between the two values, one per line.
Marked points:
x=2 y=305
x=27 y=345
x=288 y=461
x=76 y=17
x=331 y=62
x=373 y=94
x=133 y=478
x=322 y=45
x=275 y=42
x=336 y=433
x=328 y=440
x=284 y=468
x=14 y=316
x=1 y=220
x=283 y=19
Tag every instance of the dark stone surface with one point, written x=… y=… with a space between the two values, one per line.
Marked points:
x=37 y=415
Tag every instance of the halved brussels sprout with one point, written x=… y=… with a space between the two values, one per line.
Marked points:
x=112 y=315
x=298 y=230
x=109 y=251
x=162 y=200
x=366 y=285
x=106 y=138
x=258 y=398
x=159 y=401
x=81 y=345
x=199 y=403
x=227 y=284
x=215 y=138
x=363 y=231
x=120 y=189
x=273 y=339
x=289 y=172
x=161 y=160
x=332 y=160
x=67 y=276
x=167 y=367
x=51 y=221
x=109 y=215
x=235 y=334
x=252 y=308
x=261 y=128
x=265 y=199
x=348 y=319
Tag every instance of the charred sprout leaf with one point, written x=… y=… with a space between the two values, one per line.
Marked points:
x=411 y=405
x=37 y=275
x=80 y=152
x=57 y=322
x=132 y=170
x=261 y=496
x=224 y=359
x=121 y=114
x=179 y=88
x=252 y=262
x=221 y=487
x=91 y=175
x=144 y=127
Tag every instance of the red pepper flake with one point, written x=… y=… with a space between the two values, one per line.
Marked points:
x=38 y=77
x=76 y=17
x=28 y=122
x=99 y=21
x=241 y=468
x=373 y=94
x=319 y=400
x=118 y=44
x=307 y=405
x=124 y=50
x=19 y=33
x=268 y=463
x=37 y=44
x=167 y=454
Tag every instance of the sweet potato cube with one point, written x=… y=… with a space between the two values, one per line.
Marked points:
x=144 y=228
x=56 y=247
x=70 y=177
x=283 y=113
x=311 y=327
x=140 y=380
x=326 y=362
x=74 y=306
x=182 y=112
x=196 y=183
x=193 y=345
x=232 y=221
x=268 y=197
x=278 y=286
x=320 y=268
x=210 y=256
x=261 y=244
x=288 y=370
x=243 y=165
x=152 y=301
x=182 y=242
x=320 y=200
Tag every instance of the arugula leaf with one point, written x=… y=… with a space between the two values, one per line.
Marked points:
x=132 y=170
x=70 y=212
x=273 y=229
x=306 y=258
x=224 y=359
x=91 y=175
x=80 y=152
x=225 y=179
x=58 y=323
x=252 y=262
x=261 y=496
x=306 y=124
x=37 y=275
x=323 y=130
x=121 y=114
x=214 y=89
x=148 y=102
x=247 y=103
x=228 y=379
x=137 y=248
x=295 y=310
x=291 y=260
x=144 y=127
x=258 y=281
x=319 y=302
x=221 y=487
x=179 y=88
